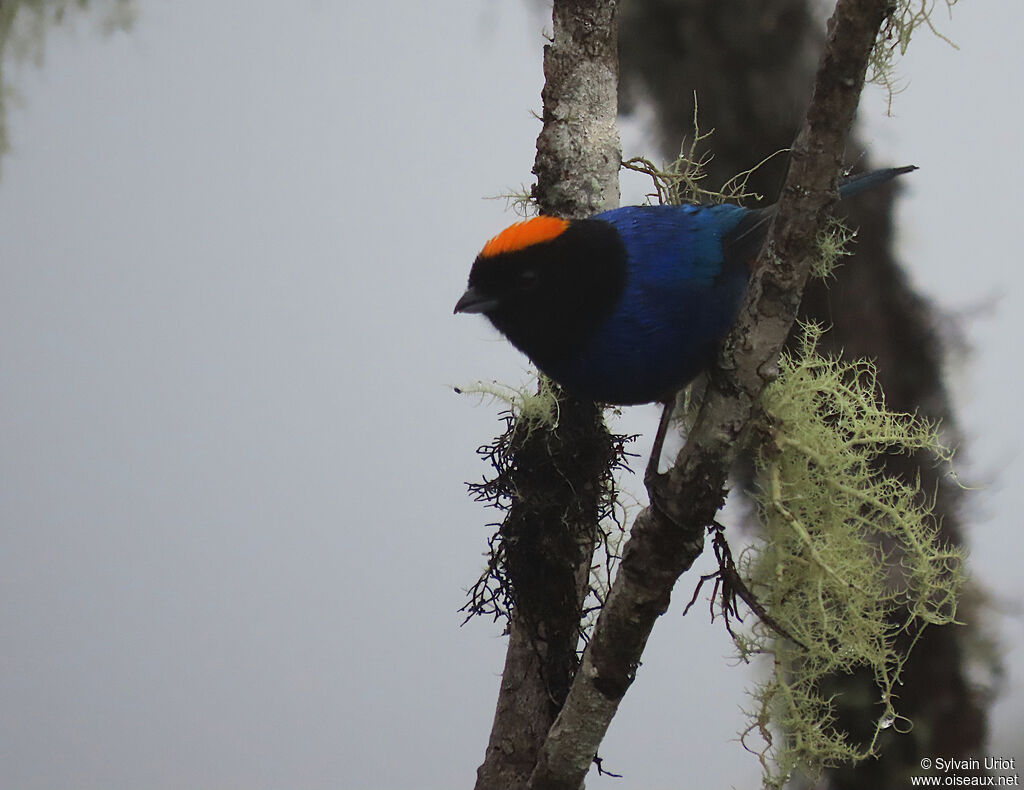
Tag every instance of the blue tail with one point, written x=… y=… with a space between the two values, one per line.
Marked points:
x=862 y=181
x=744 y=241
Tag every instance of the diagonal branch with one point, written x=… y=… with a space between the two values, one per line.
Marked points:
x=669 y=534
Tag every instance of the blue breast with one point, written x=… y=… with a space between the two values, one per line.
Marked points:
x=679 y=301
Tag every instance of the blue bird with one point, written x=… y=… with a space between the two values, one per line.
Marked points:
x=629 y=305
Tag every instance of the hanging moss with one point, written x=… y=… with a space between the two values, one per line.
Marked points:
x=844 y=548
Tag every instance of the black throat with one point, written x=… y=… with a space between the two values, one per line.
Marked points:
x=581 y=275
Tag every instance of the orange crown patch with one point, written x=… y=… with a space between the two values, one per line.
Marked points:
x=535 y=230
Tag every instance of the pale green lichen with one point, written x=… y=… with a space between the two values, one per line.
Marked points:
x=521 y=201
x=680 y=181
x=834 y=244
x=533 y=405
x=849 y=559
x=905 y=18
x=23 y=28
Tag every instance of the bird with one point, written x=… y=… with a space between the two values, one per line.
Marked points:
x=629 y=305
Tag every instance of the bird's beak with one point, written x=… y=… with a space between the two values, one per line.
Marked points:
x=475 y=302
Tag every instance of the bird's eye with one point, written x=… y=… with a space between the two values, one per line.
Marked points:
x=528 y=278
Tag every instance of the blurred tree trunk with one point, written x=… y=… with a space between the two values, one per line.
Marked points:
x=751 y=63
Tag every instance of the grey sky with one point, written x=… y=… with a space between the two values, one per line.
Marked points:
x=234 y=528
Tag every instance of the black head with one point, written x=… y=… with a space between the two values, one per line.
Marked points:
x=547 y=283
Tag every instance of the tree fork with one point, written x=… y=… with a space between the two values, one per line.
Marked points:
x=669 y=534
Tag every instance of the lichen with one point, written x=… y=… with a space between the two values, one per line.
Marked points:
x=905 y=18
x=849 y=563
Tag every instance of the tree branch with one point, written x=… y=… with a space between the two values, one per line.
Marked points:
x=669 y=534
x=550 y=531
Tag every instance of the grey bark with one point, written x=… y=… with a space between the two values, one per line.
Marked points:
x=550 y=530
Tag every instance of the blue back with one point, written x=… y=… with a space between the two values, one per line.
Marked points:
x=680 y=299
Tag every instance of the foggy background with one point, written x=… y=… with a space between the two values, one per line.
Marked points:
x=234 y=534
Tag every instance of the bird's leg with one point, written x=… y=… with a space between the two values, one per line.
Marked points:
x=651 y=473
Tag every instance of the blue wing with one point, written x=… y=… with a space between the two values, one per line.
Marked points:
x=681 y=297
